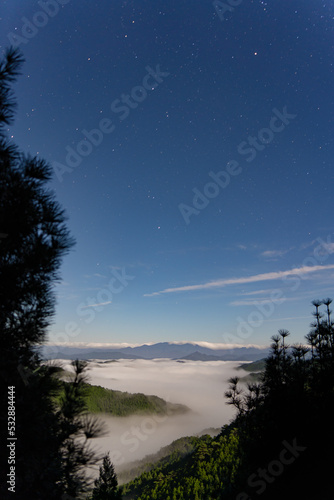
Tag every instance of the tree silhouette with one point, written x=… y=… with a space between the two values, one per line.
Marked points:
x=106 y=486
x=296 y=395
x=37 y=236
x=327 y=302
x=35 y=239
x=52 y=449
x=76 y=428
x=312 y=341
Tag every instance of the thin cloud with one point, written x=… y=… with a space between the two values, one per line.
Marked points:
x=217 y=345
x=95 y=345
x=323 y=247
x=259 y=302
x=287 y=319
x=257 y=292
x=272 y=254
x=97 y=305
x=252 y=302
x=305 y=246
x=239 y=281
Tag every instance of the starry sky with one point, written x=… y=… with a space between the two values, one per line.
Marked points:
x=192 y=149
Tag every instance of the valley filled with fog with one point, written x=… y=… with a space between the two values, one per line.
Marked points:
x=198 y=385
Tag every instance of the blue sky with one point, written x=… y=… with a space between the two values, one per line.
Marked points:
x=193 y=154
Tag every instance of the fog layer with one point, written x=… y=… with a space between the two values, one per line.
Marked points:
x=198 y=385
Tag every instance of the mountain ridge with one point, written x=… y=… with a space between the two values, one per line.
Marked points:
x=160 y=350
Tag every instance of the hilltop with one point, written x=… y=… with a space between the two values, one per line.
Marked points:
x=122 y=404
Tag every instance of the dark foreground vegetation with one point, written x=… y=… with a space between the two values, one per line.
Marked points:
x=278 y=446
x=48 y=451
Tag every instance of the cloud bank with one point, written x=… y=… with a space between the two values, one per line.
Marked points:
x=198 y=385
x=297 y=271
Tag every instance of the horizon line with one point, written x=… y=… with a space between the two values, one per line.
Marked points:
x=122 y=345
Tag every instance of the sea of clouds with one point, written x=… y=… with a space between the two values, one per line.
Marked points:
x=198 y=385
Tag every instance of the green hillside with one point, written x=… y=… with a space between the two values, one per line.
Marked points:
x=170 y=453
x=256 y=366
x=202 y=468
x=276 y=445
x=122 y=404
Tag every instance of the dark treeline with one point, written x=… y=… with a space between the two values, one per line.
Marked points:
x=278 y=445
x=292 y=404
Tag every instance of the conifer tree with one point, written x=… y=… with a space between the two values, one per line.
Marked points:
x=51 y=450
x=34 y=238
x=106 y=486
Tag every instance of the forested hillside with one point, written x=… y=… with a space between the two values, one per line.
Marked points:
x=203 y=473
x=276 y=446
x=122 y=404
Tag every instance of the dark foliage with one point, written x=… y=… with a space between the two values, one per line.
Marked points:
x=293 y=403
x=106 y=486
x=51 y=442
x=276 y=445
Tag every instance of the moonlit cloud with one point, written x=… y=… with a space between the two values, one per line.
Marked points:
x=97 y=345
x=298 y=271
x=257 y=292
x=271 y=254
x=97 y=305
x=292 y=318
x=253 y=302
x=217 y=345
x=198 y=385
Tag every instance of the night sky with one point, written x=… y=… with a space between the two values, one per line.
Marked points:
x=193 y=153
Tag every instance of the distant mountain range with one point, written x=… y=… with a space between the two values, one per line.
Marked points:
x=189 y=351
